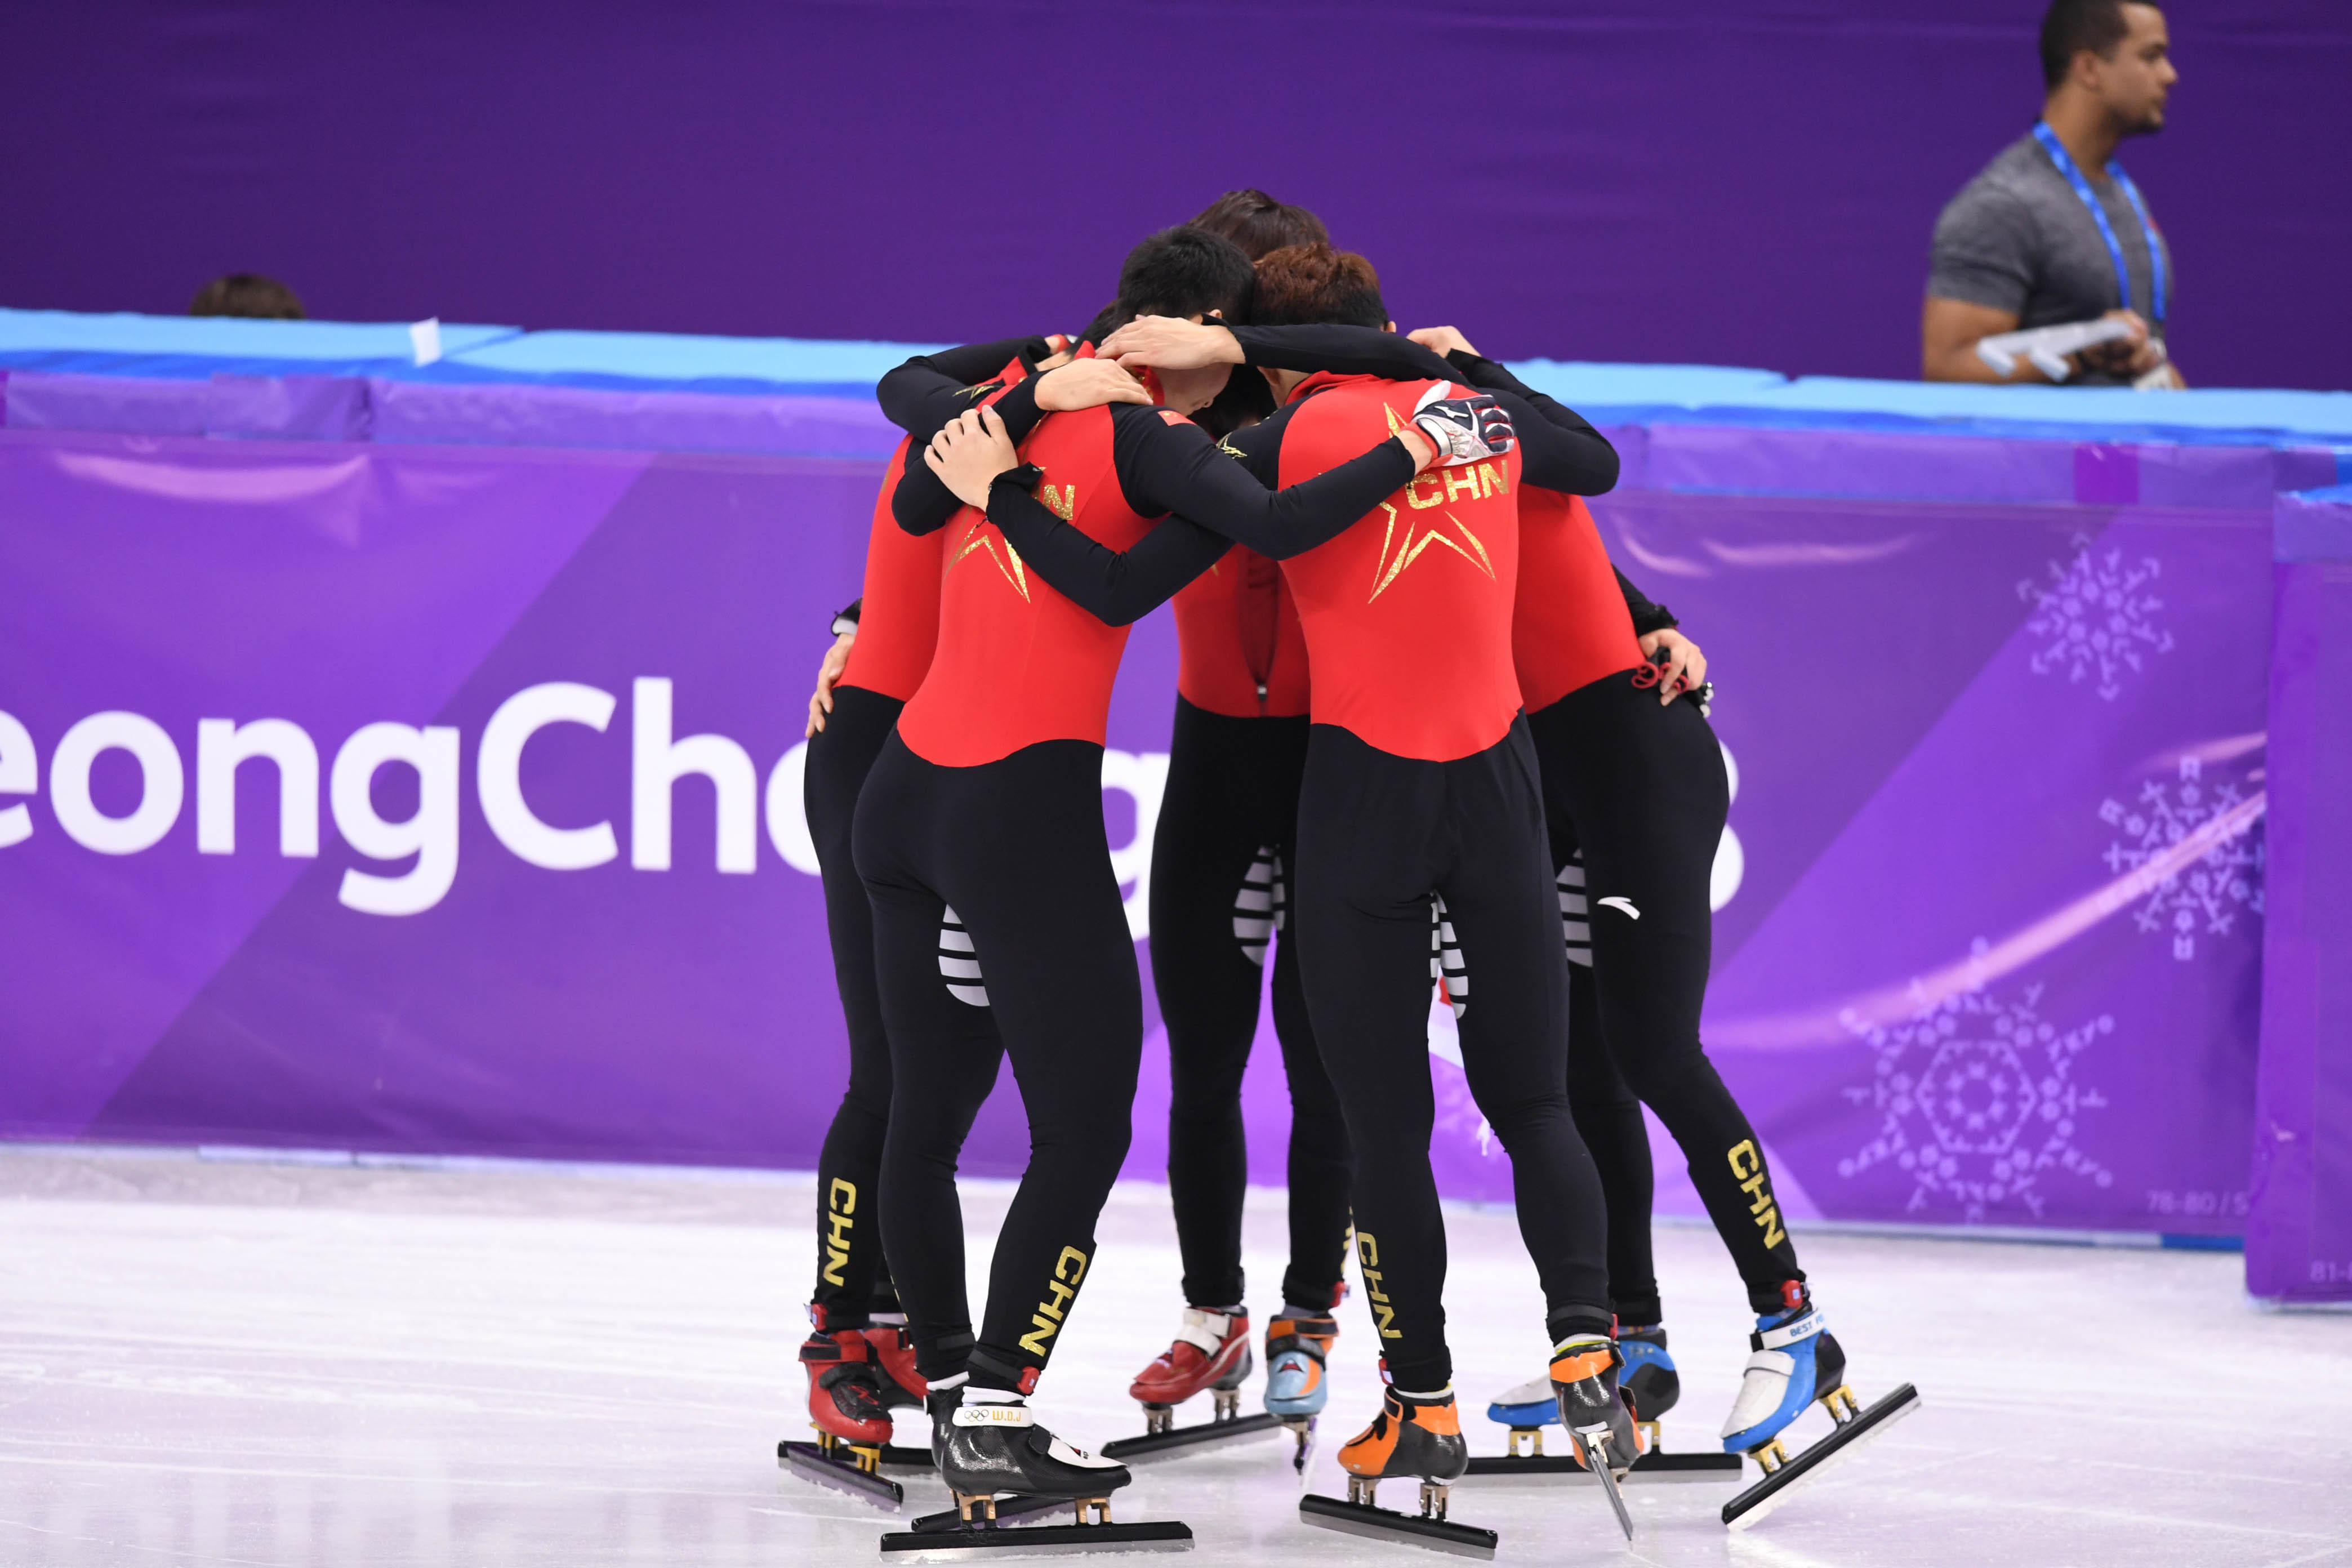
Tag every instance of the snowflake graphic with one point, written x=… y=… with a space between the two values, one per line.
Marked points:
x=2210 y=891
x=1979 y=1101
x=2094 y=617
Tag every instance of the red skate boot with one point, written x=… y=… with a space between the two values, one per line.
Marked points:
x=852 y=1422
x=1212 y=1352
x=894 y=1363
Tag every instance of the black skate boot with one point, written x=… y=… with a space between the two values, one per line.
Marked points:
x=1001 y=1466
x=1417 y=1435
x=1600 y=1427
x=1651 y=1387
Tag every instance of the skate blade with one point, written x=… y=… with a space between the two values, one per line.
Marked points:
x=809 y=1462
x=1597 y=1467
x=1302 y=1461
x=1652 y=1468
x=967 y=1541
x=1402 y=1529
x=1757 y=1501
x=1182 y=1440
x=1019 y=1505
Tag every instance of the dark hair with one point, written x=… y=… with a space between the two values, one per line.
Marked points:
x=1258 y=224
x=1244 y=400
x=2070 y=26
x=1185 y=271
x=1316 y=283
x=247 y=294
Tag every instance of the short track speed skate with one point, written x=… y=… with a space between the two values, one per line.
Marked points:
x=1000 y=1465
x=1794 y=1362
x=1417 y=1435
x=1297 y=1347
x=1211 y=1354
x=1651 y=1386
x=850 y=1409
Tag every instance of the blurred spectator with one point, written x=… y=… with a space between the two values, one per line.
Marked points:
x=2053 y=231
x=247 y=294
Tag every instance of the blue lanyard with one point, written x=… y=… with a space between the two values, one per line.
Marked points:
x=2059 y=155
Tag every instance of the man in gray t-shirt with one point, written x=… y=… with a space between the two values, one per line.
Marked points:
x=2020 y=247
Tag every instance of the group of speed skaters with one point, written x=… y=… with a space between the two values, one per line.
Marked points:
x=1427 y=740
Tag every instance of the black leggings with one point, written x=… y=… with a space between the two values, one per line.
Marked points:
x=1640 y=790
x=852 y=1278
x=1035 y=950
x=1379 y=835
x=1220 y=859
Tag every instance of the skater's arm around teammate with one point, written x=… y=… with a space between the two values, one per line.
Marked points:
x=1163 y=464
x=922 y=504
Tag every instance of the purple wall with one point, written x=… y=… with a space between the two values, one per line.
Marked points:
x=2299 y=1226
x=1989 y=928
x=1675 y=182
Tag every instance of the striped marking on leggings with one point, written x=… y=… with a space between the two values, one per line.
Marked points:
x=1445 y=959
x=1573 y=910
x=1258 y=905
x=959 y=964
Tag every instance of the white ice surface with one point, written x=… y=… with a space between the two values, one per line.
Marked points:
x=268 y=1365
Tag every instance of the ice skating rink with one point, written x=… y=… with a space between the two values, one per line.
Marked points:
x=229 y=1361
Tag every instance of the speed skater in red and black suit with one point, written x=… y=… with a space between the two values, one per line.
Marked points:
x=1635 y=795
x=1220 y=847
x=986 y=803
x=859 y=1359
x=1419 y=798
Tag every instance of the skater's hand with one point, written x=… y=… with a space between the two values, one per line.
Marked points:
x=1087 y=384
x=1062 y=348
x=1171 y=342
x=836 y=659
x=1442 y=340
x=1684 y=669
x=1464 y=429
x=970 y=453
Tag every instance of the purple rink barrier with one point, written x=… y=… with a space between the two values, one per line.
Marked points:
x=2299 y=1233
x=518 y=870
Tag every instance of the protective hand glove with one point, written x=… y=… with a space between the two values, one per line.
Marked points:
x=1464 y=429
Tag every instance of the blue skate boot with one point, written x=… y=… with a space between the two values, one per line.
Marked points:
x=1794 y=1362
x=1651 y=1387
x=1648 y=1379
x=1297 y=1345
x=1651 y=1383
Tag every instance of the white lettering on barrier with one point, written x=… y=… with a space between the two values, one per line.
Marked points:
x=161 y=788
x=1144 y=777
x=431 y=835
x=221 y=745
x=656 y=763
x=497 y=775
x=788 y=828
x=20 y=774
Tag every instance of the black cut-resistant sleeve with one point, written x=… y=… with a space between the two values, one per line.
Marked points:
x=924 y=392
x=1341 y=350
x=1647 y=615
x=1117 y=587
x=1169 y=465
